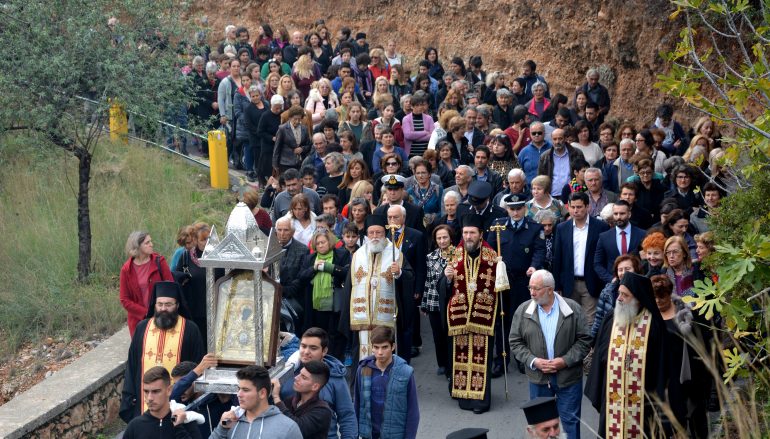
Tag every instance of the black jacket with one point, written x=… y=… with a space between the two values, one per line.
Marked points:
x=313 y=417
x=148 y=426
x=564 y=256
x=413 y=248
x=545 y=166
x=460 y=152
x=521 y=249
x=283 y=152
x=490 y=213
x=494 y=179
x=291 y=264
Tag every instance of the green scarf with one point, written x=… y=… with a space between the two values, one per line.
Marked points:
x=322 y=283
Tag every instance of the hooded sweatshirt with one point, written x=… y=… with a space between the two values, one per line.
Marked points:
x=271 y=424
x=336 y=393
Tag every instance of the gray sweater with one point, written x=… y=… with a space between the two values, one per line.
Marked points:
x=271 y=424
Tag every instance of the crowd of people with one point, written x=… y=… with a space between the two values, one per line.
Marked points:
x=525 y=223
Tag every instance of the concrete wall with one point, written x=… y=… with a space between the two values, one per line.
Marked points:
x=76 y=402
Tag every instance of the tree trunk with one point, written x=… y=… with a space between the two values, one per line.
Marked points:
x=84 y=214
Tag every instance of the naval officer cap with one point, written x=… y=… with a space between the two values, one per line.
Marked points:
x=393 y=181
x=514 y=201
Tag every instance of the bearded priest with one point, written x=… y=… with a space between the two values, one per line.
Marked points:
x=629 y=370
x=164 y=338
x=378 y=292
x=471 y=312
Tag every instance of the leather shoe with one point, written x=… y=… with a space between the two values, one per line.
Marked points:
x=478 y=411
x=497 y=371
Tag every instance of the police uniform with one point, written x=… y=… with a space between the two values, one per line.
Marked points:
x=521 y=247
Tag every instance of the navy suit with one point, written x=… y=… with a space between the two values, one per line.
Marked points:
x=564 y=257
x=414 y=214
x=520 y=250
x=607 y=251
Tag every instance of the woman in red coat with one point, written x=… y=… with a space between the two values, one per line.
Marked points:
x=143 y=268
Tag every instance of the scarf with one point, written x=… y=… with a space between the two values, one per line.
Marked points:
x=577 y=187
x=322 y=284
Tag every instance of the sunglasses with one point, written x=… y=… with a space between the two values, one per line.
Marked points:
x=391 y=164
x=537 y=133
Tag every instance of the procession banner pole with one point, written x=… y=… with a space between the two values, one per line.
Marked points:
x=497 y=228
x=393 y=228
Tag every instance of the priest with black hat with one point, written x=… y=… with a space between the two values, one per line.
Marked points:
x=630 y=367
x=164 y=338
x=542 y=418
x=480 y=203
x=471 y=312
x=379 y=292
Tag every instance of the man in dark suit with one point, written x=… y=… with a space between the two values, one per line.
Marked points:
x=478 y=202
x=412 y=245
x=483 y=173
x=288 y=151
x=623 y=238
x=396 y=195
x=523 y=251
x=573 y=255
x=291 y=264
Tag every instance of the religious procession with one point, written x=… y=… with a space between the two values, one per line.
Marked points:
x=536 y=235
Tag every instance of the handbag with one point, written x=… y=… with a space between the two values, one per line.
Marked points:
x=338 y=299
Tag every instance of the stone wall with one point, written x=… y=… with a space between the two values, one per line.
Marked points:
x=75 y=402
x=86 y=418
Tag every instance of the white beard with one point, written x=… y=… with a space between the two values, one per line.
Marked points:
x=376 y=245
x=625 y=313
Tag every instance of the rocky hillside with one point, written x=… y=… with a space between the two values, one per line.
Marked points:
x=622 y=37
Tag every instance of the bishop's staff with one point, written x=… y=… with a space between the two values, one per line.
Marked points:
x=393 y=229
x=501 y=284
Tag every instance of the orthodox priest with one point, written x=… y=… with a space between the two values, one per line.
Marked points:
x=630 y=365
x=379 y=291
x=471 y=312
x=164 y=338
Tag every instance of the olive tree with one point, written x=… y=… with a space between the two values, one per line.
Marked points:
x=67 y=61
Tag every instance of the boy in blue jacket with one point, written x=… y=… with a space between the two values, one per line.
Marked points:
x=385 y=394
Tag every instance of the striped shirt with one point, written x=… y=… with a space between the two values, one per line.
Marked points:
x=548 y=322
x=418 y=148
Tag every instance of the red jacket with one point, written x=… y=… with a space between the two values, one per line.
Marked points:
x=130 y=294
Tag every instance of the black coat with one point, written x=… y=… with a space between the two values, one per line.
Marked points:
x=490 y=213
x=564 y=256
x=460 y=152
x=291 y=264
x=147 y=426
x=413 y=248
x=285 y=143
x=521 y=249
x=494 y=179
x=313 y=417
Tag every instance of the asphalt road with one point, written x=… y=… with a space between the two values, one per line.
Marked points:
x=440 y=414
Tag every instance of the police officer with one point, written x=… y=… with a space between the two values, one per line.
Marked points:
x=523 y=251
x=479 y=193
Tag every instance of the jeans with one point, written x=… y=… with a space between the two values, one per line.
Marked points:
x=248 y=156
x=568 y=402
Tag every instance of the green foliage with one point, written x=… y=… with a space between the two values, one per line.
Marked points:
x=720 y=68
x=134 y=188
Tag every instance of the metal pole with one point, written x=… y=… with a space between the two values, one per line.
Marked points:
x=497 y=228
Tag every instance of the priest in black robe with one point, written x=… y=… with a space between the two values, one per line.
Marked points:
x=629 y=342
x=164 y=338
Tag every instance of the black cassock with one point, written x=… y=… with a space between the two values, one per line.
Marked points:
x=656 y=371
x=193 y=349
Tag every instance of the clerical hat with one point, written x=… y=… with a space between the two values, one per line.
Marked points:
x=393 y=181
x=514 y=201
x=469 y=433
x=479 y=191
x=375 y=220
x=473 y=220
x=540 y=409
x=168 y=289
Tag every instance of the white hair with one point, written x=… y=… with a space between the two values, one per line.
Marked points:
x=285 y=219
x=606 y=212
x=540 y=84
x=594 y=171
x=545 y=277
x=592 y=72
x=517 y=172
x=453 y=194
x=467 y=168
x=625 y=142
x=400 y=208
x=211 y=67
x=228 y=28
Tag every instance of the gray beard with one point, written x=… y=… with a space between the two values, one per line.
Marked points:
x=165 y=320
x=471 y=247
x=377 y=246
x=626 y=313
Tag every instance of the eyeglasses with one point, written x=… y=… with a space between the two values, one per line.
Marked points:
x=536 y=133
x=639 y=140
x=645 y=173
x=531 y=288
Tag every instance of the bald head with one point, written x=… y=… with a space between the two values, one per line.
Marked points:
x=557 y=136
x=396 y=215
x=284 y=230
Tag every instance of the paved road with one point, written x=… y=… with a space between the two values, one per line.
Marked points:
x=440 y=415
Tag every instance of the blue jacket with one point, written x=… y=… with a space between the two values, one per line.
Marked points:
x=564 y=257
x=529 y=158
x=401 y=414
x=336 y=393
x=604 y=306
x=521 y=249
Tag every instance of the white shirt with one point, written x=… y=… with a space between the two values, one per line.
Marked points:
x=628 y=238
x=303 y=234
x=579 y=244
